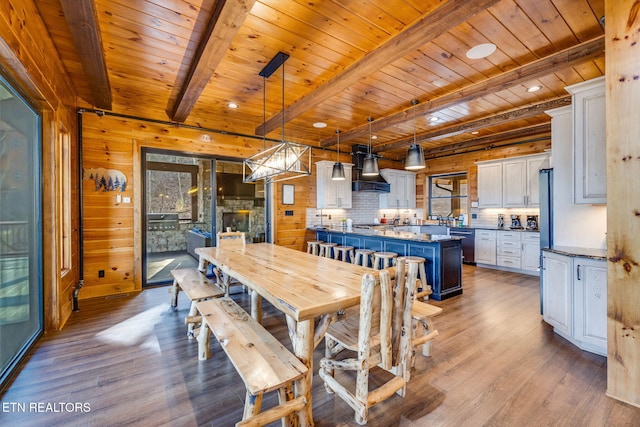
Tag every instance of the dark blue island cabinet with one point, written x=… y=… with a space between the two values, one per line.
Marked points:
x=443 y=256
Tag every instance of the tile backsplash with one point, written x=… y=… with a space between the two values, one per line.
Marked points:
x=489 y=217
x=366 y=208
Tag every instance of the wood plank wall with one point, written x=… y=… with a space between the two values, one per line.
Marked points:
x=29 y=61
x=112 y=232
x=623 y=207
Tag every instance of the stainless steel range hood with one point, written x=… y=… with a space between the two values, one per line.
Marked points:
x=371 y=184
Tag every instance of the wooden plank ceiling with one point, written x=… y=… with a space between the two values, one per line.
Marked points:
x=186 y=60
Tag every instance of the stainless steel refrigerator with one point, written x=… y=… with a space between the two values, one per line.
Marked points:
x=545 y=220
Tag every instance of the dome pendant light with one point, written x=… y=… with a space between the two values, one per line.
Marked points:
x=370 y=163
x=415 y=154
x=338 y=168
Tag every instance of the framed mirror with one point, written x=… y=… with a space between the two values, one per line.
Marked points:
x=288 y=194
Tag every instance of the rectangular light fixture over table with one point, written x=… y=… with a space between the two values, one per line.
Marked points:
x=284 y=161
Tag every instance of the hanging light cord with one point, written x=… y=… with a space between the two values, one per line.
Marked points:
x=415 y=125
x=370 y=119
x=264 y=113
x=283 y=102
x=338 y=132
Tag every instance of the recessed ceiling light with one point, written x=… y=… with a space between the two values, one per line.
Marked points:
x=534 y=88
x=232 y=105
x=319 y=125
x=433 y=119
x=374 y=136
x=475 y=132
x=481 y=51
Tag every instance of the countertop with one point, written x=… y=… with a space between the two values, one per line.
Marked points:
x=475 y=227
x=592 y=253
x=402 y=235
x=520 y=230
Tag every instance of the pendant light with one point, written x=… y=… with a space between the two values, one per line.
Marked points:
x=284 y=161
x=338 y=168
x=415 y=154
x=370 y=163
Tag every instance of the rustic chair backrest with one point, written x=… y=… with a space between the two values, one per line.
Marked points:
x=385 y=312
x=230 y=237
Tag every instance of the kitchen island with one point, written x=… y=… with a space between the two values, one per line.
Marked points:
x=443 y=253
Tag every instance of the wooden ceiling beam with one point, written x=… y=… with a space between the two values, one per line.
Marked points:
x=82 y=18
x=429 y=27
x=566 y=58
x=487 y=142
x=528 y=111
x=226 y=20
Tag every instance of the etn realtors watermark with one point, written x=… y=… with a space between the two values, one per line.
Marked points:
x=45 y=407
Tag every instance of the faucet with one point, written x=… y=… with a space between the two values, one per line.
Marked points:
x=321 y=215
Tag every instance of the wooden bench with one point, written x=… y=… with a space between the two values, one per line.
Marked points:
x=262 y=362
x=197 y=287
x=422 y=325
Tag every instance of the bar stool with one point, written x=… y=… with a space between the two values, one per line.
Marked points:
x=383 y=260
x=325 y=249
x=313 y=247
x=362 y=257
x=424 y=290
x=341 y=253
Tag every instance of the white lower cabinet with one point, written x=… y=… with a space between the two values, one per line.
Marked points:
x=485 y=247
x=509 y=249
x=512 y=250
x=557 y=293
x=590 y=308
x=574 y=295
x=530 y=260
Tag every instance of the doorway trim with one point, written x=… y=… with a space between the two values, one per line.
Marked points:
x=140 y=203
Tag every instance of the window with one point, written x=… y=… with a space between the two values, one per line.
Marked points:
x=172 y=187
x=448 y=195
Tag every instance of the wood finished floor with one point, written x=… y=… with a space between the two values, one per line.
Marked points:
x=495 y=363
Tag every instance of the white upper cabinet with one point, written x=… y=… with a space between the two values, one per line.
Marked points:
x=534 y=164
x=520 y=181
x=514 y=177
x=403 y=189
x=589 y=136
x=511 y=183
x=490 y=185
x=332 y=194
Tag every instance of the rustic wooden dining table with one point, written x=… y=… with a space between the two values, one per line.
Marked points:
x=307 y=288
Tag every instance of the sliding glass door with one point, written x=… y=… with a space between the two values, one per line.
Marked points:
x=187 y=200
x=20 y=228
